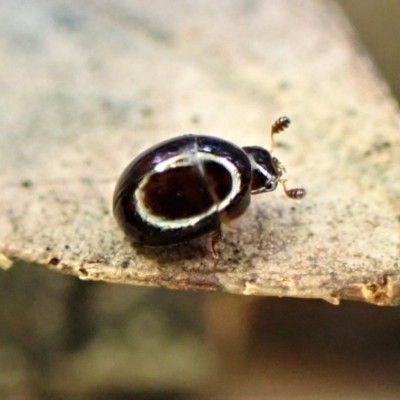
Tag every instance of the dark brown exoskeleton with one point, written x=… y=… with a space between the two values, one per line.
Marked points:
x=187 y=187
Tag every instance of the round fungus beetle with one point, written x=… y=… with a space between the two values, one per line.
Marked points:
x=188 y=186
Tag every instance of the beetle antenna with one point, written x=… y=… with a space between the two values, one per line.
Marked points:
x=278 y=126
x=295 y=194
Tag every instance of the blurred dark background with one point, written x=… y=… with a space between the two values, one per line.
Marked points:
x=377 y=25
x=61 y=338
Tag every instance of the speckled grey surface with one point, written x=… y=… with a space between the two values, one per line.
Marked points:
x=85 y=86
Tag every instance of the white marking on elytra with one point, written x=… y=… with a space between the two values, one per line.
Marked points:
x=183 y=160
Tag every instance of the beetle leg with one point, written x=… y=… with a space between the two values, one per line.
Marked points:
x=278 y=126
x=216 y=237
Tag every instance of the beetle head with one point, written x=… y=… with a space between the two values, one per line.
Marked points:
x=266 y=170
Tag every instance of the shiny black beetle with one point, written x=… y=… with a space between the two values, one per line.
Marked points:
x=188 y=186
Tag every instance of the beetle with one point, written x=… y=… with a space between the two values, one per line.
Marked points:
x=188 y=186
